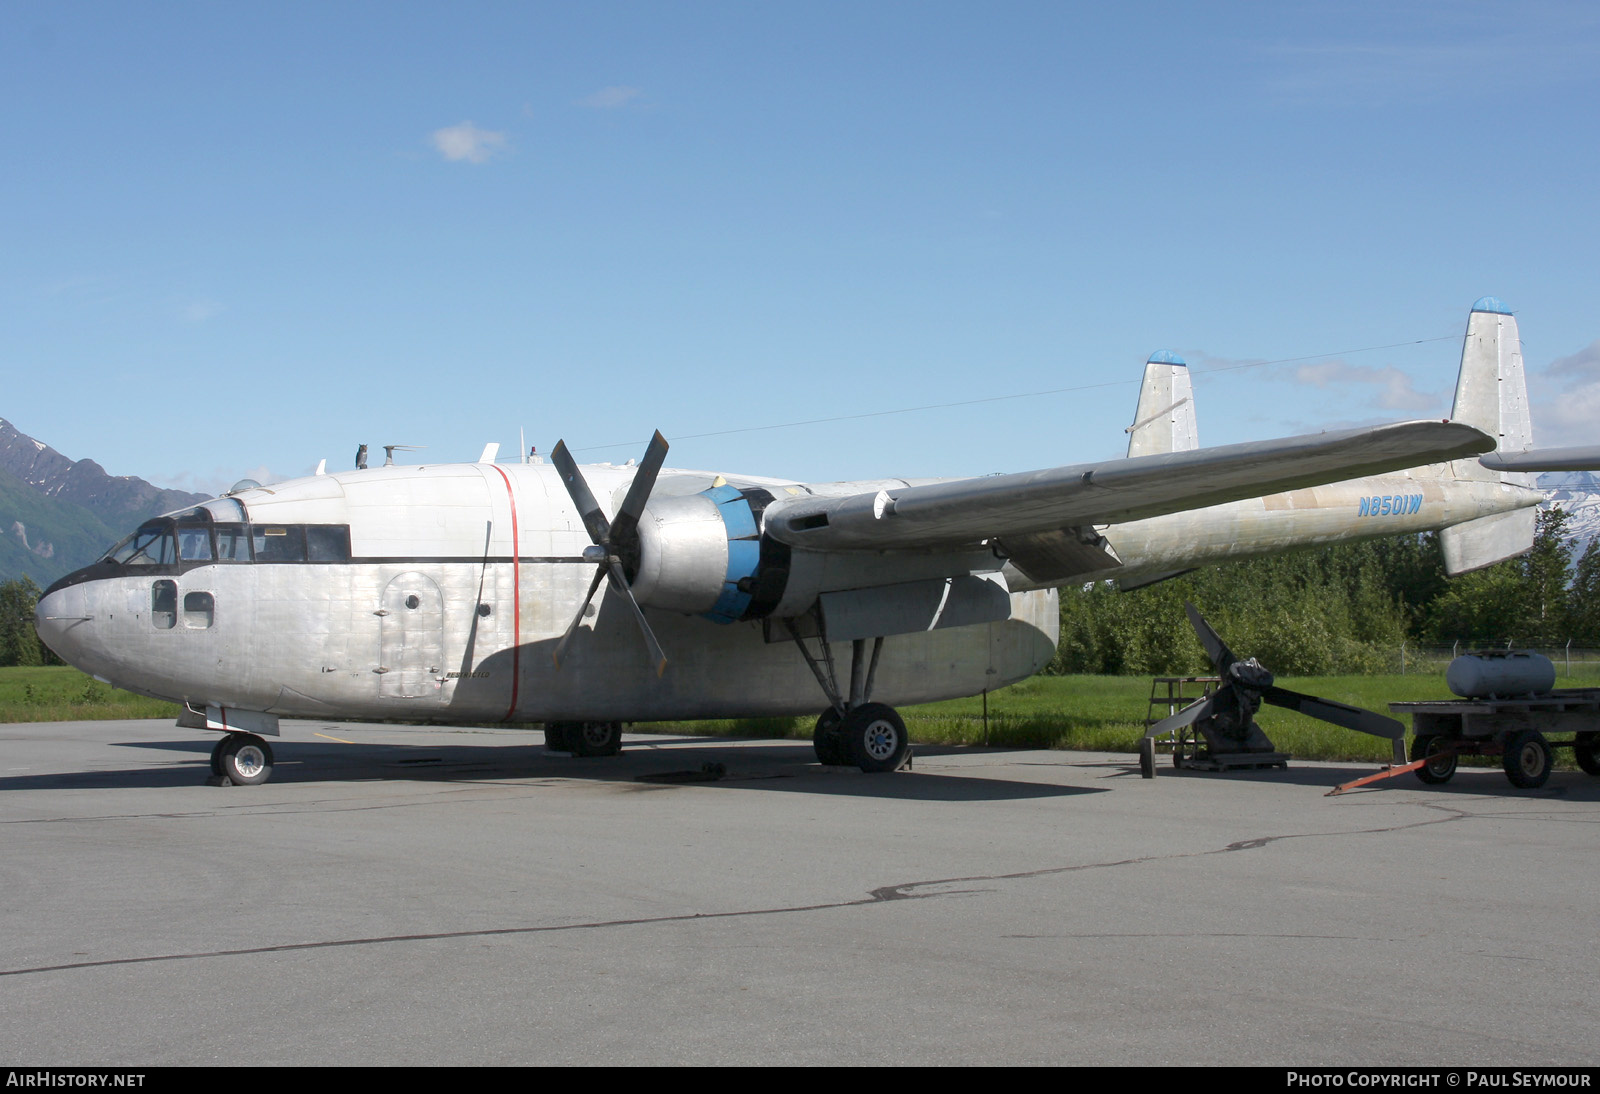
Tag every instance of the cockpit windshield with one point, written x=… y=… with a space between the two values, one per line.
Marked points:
x=219 y=531
x=151 y=545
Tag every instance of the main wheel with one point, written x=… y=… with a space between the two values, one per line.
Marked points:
x=216 y=754
x=1586 y=750
x=1147 y=757
x=1527 y=759
x=826 y=740
x=555 y=736
x=875 y=738
x=245 y=759
x=1441 y=765
x=594 y=738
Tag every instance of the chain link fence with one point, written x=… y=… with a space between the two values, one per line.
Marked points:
x=1569 y=660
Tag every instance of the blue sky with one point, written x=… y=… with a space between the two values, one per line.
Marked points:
x=240 y=239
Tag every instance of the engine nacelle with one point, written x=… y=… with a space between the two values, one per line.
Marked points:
x=693 y=552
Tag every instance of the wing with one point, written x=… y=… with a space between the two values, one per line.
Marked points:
x=972 y=510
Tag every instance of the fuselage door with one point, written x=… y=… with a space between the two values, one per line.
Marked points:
x=413 y=638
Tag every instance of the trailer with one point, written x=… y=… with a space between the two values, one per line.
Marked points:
x=1517 y=729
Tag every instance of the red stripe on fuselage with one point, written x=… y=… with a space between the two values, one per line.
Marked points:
x=516 y=598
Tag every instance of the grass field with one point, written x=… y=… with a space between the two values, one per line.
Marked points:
x=1107 y=713
x=58 y=694
x=1091 y=713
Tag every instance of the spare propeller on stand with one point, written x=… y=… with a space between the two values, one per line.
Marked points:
x=615 y=548
x=1225 y=719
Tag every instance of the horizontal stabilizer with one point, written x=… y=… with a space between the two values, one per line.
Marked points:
x=1487 y=540
x=1579 y=458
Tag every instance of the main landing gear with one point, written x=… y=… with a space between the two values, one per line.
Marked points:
x=584 y=738
x=242 y=759
x=853 y=731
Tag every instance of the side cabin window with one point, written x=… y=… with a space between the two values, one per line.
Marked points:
x=164 y=605
x=199 y=610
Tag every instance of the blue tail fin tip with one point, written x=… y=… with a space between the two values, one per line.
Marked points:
x=1492 y=304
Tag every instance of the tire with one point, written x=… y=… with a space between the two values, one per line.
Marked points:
x=875 y=738
x=1435 y=771
x=827 y=741
x=216 y=755
x=594 y=738
x=1147 y=757
x=555 y=736
x=1586 y=750
x=1527 y=759
x=245 y=759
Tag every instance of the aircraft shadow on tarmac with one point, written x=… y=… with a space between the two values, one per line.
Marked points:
x=662 y=763
x=787 y=766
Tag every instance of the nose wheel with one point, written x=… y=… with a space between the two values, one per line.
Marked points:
x=242 y=759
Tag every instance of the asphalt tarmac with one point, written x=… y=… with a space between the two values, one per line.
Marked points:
x=428 y=896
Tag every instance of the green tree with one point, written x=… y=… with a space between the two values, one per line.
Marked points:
x=1584 y=600
x=1522 y=601
x=19 y=642
x=1322 y=610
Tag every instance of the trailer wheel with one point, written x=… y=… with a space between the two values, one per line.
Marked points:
x=1527 y=759
x=1441 y=765
x=1586 y=750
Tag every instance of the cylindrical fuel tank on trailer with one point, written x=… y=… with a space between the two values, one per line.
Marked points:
x=1502 y=673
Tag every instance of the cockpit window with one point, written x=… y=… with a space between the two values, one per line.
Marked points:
x=190 y=538
x=194 y=543
x=151 y=545
x=328 y=542
x=233 y=543
x=279 y=542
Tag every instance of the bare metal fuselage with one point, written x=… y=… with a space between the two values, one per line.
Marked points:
x=461 y=579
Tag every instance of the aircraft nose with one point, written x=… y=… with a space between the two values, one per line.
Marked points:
x=59 y=618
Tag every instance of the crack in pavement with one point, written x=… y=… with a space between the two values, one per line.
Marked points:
x=910 y=890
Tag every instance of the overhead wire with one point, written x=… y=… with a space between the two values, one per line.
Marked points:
x=980 y=400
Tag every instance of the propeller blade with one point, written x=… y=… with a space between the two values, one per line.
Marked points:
x=619 y=582
x=1216 y=649
x=1363 y=721
x=644 y=480
x=1188 y=716
x=594 y=519
x=561 y=647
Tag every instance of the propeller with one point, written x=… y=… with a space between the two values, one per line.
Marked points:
x=614 y=545
x=1246 y=685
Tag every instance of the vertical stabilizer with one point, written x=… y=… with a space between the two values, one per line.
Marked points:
x=1492 y=395
x=1164 y=420
x=1491 y=392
